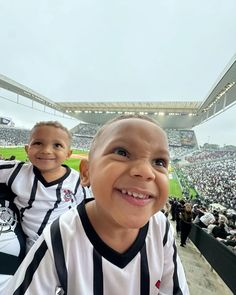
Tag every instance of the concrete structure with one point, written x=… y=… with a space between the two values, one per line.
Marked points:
x=202 y=279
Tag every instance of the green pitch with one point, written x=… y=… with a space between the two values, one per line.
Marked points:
x=20 y=154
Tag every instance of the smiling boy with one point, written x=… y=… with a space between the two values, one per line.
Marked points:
x=44 y=188
x=119 y=242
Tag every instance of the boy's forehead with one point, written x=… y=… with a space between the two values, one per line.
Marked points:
x=131 y=127
x=36 y=131
x=131 y=131
x=45 y=128
x=130 y=123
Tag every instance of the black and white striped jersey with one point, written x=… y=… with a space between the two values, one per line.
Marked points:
x=12 y=240
x=71 y=250
x=40 y=202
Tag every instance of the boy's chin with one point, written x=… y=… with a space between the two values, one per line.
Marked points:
x=137 y=224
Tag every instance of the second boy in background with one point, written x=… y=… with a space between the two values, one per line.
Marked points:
x=44 y=187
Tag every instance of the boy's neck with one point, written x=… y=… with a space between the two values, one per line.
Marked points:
x=50 y=176
x=118 y=238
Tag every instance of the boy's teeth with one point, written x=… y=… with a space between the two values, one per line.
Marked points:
x=134 y=194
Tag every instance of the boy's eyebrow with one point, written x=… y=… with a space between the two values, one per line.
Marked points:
x=120 y=141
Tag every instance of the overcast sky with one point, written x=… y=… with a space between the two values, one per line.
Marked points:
x=122 y=50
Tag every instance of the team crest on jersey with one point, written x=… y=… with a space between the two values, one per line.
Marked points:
x=7 y=220
x=68 y=195
x=158 y=284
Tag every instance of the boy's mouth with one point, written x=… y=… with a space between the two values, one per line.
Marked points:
x=45 y=159
x=136 y=195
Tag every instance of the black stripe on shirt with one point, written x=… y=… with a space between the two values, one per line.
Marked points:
x=84 y=192
x=14 y=174
x=97 y=274
x=176 y=287
x=6 y=166
x=9 y=263
x=49 y=212
x=58 y=253
x=31 y=199
x=166 y=232
x=76 y=186
x=144 y=273
x=31 y=269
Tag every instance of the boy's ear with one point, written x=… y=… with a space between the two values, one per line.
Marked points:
x=26 y=148
x=69 y=153
x=84 y=172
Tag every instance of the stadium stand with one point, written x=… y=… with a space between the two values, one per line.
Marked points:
x=214 y=180
x=11 y=136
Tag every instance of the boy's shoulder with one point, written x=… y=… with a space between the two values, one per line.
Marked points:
x=73 y=170
x=159 y=218
x=159 y=225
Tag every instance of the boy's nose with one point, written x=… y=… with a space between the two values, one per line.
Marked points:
x=142 y=169
x=46 y=149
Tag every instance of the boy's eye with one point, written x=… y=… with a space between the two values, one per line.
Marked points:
x=160 y=162
x=36 y=143
x=58 y=145
x=121 y=152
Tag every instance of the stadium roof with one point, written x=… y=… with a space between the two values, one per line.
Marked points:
x=172 y=114
x=169 y=114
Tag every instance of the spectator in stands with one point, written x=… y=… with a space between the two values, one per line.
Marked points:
x=200 y=211
x=44 y=187
x=206 y=219
x=174 y=204
x=219 y=231
x=186 y=218
x=179 y=209
x=120 y=231
x=12 y=239
x=229 y=241
x=166 y=209
x=195 y=211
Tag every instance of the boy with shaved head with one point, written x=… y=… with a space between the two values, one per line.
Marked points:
x=119 y=242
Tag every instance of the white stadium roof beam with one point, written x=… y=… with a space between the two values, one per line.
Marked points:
x=169 y=114
x=222 y=95
x=21 y=90
x=172 y=114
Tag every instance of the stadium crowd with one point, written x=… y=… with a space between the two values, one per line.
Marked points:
x=11 y=136
x=83 y=134
x=214 y=181
x=207 y=155
x=217 y=223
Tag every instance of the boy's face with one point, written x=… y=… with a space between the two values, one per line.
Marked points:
x=128 y=172
x=48 y=148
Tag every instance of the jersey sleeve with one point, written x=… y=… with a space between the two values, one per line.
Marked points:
x=6 y=169
x=36 y=274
